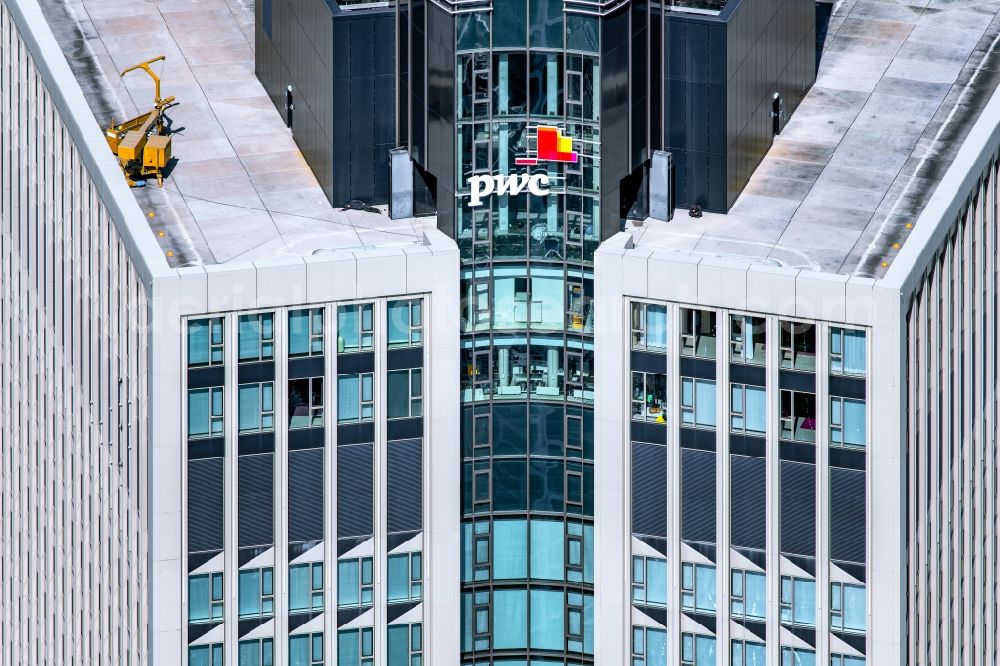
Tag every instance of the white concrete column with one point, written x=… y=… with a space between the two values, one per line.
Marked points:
x=887 y=544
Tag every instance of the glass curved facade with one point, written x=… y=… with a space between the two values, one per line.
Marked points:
x=527 y=333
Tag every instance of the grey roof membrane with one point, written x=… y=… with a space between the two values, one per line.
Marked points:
x=240 y=189
x=899 y=85
x=898 y=88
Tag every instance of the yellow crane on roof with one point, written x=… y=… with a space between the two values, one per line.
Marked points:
x=142 y=144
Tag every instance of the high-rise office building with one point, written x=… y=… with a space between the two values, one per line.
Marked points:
x=527 y=413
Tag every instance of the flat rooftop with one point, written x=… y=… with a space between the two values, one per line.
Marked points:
x=240 y=189
x=900 y=84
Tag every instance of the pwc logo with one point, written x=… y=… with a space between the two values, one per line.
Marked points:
x=550 y=146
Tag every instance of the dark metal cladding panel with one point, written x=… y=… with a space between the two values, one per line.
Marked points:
x=649 y=489
x=847 y=515
x=206 y=377
x=615 y=115
x=355 y=433
x=698 y=495
x=418 y=94
x=847 y=387
x=254 y=443
x=771 y=49
x=351 y=363
x=639 y=83
x=440 y=112
x=648 y=432
x=266 y=16
x=748 y=374
x=355 y=490
x=255 y=490
x=398 y=359
x=748 y=515
x=206 y=505
x=305 y=495
x=656 y=79
x=797 y=381
x=255 y=372
x=697 y=438
x=695 y=367
x=404 y=460
x=847 y=458
x=798 y=508
x=342 y=71
x=719 y=73
x=405 y=428
x=313 y=366
x=403 y=70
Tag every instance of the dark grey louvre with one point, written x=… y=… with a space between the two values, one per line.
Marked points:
x=355 y=490
x=798 y=508
x=649 y=489
x=748 y=493
x=847 y=515
x=698 y=495
x=206 y=506
x=255 y=486
x=404 y=495
x=305 y=495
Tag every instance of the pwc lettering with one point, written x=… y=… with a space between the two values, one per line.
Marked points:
x=551 y=146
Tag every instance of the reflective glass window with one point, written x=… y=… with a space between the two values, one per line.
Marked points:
x=256 y=407
x=355 y=328
x=748 y=409
x=205 y=342
x=698 y=402
x=305 y=332
x=847 y=352
x=649 y=327
x=355 y=398
x=545 y=76
x=583 y=33
x=546 y=23
x=205 y=417
x=256 y=337
x=405 y=326
x=205 y=655
x=547 y=547
x=748 y=594
x=746 y=653
x=256 y=592
x=798 y=601
x=797 y=657
x=305 y=403
x=258 y=652
x=510 y=617
x=473 y=31
x=305 y=587
x=798 y=346
x=747 y=339
x=847 y=422
x=404 y=577
x=847 y=607
x=305 y=650
x=698 y=587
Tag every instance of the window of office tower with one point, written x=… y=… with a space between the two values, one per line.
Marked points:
x=527 y=111
x=525 y=65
